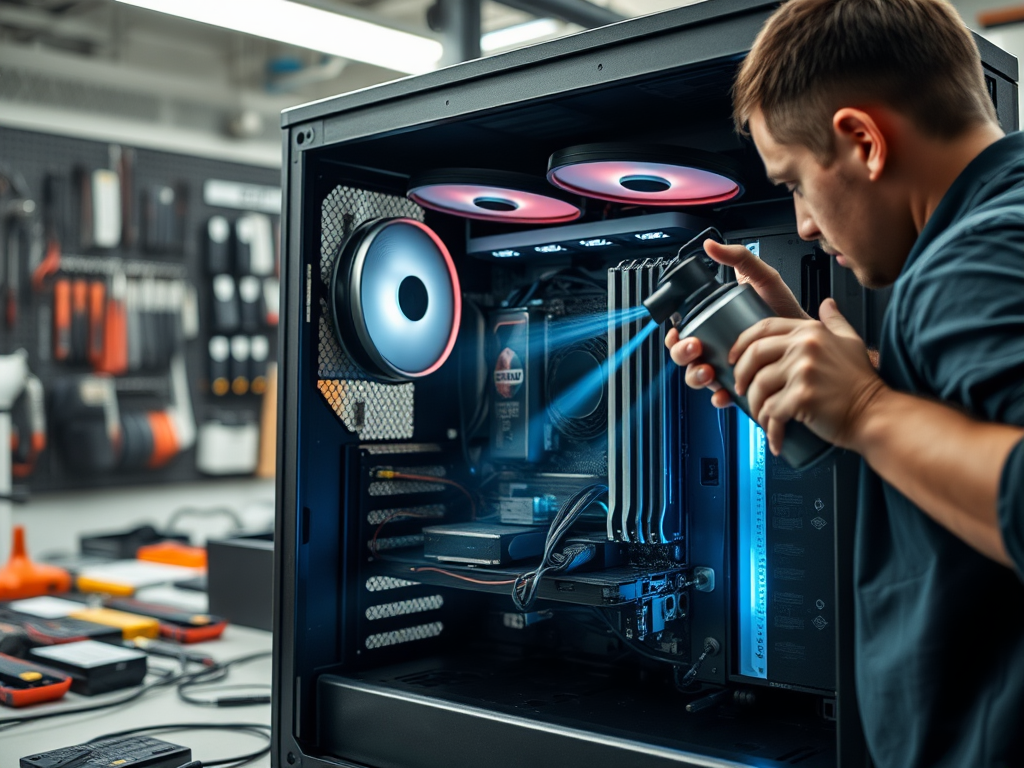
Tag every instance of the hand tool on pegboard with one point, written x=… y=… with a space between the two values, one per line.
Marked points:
x=62 y=320
x=18 y=232
x=240 y=352
x=133 y=325
x=259 y=351
x=220 y=365
x=53 y=218
x=114 y=356
x=97 y=324
x=122 y=160
x=99 y=208
x=79 y=320
x=30 y=414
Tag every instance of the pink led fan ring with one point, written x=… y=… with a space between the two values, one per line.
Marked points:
x=645 y=175
x=474 y=193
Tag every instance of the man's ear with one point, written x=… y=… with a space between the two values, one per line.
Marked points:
x=860 y=133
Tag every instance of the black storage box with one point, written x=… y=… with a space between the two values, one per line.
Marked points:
x=95 y=667
x=240 y=580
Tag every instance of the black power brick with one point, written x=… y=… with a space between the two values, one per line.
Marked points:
x=122 y=751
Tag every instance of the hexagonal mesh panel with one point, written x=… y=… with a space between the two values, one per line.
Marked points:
x=370 y=409
x=398 y=487
x=406 y=635
x=384 y=583
x=380 y=516
x=404 y=607
x=394 y=542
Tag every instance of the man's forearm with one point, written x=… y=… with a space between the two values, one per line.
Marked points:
x=945 y=462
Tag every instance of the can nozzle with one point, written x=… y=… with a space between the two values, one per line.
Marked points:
x=687 y=283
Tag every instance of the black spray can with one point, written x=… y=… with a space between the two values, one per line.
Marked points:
x=698 y=304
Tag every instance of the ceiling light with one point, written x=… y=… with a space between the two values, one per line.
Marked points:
x=510 y=37
x=308 y=27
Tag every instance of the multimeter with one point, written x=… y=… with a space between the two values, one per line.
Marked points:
x=23 y=683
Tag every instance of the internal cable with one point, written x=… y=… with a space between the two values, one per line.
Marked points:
x=711 y=647
x=388 y=519
x=636 y=646
x=390 y=474
x=461 y=577
x=526 y=585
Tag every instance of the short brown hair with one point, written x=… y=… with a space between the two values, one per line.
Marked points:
x=813 y=57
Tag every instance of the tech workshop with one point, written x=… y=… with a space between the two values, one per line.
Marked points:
x=464 y=384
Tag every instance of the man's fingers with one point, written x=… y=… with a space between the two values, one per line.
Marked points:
x=776 y=433
x=735 y=256
x=768 y=382
x=699 y=376
x=834 y=320
x=730 y=255
x=686 y=351
x=748 y=266
x=775 y=414
x=759 y=354
x=721 y=399
x=671 y=338
x=772 y=326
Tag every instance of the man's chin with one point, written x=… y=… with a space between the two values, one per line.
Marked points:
x=870 y=280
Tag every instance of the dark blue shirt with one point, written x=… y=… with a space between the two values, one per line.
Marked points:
x=939 y=627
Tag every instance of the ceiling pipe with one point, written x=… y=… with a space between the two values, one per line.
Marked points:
x=578 y=12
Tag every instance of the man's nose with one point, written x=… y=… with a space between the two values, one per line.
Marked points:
x=805 y=225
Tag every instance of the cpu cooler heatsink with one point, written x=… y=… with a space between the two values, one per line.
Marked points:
x=643 y=415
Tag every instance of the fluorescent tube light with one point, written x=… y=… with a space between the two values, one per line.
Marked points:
x=519 y=34
x=308 y=27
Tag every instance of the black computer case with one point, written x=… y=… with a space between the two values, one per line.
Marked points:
x=386 y=658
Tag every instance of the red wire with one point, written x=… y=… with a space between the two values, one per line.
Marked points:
x=461 y=577
x=444 y=480
x=388 y=519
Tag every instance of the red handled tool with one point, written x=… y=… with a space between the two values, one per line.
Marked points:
x=23 y=683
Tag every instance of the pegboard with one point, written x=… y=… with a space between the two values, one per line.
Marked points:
x=32 y=156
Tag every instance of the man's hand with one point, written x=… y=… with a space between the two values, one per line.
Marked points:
x=818 y=373
x=769 y=286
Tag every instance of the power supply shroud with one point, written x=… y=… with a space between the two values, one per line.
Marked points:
x=377 y=664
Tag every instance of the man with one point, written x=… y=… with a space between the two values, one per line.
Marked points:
x=874 y=114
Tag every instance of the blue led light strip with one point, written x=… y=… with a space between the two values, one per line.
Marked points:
x=752 y=548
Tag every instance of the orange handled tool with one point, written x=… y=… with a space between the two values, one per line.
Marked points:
x=114 y=359
x=62 y=319
x=97 y=311
x=79 y=320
